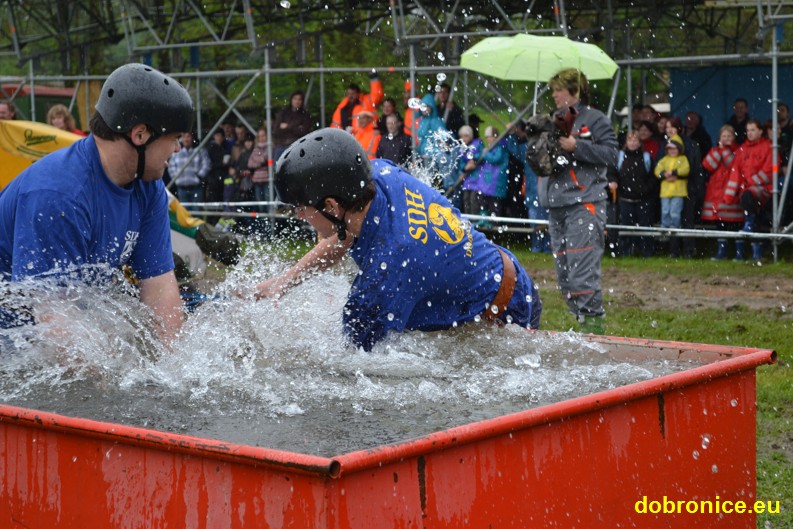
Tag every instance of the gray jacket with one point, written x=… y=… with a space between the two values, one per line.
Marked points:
x=580 y=177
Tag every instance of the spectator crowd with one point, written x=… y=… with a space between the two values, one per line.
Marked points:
x=669 y=171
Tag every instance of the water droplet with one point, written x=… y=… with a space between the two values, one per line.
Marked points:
x=714 y=469
x=385 y=170
x=477 y=318
x=286 y=4
x=695 y=454
x=494 y=309
x=441 y=77
x=404 y=263
x=441 y=56
x=390 y=316
x=429 y=303
x=497 y=278
x=734 y=403
x=414 y=103
x=654 y=324
x=705 y=441
x=383 y=265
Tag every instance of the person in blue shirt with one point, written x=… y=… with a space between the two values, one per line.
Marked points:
x=101 y=201
x=421 y=266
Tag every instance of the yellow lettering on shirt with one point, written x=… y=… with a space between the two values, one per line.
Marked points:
x=417 y=216
x=420 y=234
x=414 y=199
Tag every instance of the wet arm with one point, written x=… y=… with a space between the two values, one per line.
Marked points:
x=325 y=254
x=161 y=294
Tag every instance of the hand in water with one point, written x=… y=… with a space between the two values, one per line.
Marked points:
x=268 y=289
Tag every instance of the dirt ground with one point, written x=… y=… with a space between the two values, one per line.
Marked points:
x=654 y=290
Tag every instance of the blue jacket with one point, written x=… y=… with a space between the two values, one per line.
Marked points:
x=518 y=149
x=428 y=127
x=490 y=177
x=423 y=267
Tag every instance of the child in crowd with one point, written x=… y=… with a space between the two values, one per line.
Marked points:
x=673 y=170
x=239 y=184
x=257 y=163
x=635 y=190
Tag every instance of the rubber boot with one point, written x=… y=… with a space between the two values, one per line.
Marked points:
x=721 y=251
x=674 y=247
x=739 y=249
x=757 y=252
x=591 y=325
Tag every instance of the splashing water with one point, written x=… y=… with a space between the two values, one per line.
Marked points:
x=438 y=167
x=279 y=374
x=414 y=103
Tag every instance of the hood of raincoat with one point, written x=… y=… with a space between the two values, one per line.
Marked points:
x=429 y=100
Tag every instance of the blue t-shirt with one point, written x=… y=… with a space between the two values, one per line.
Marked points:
x=421 y=266
x=64 y=212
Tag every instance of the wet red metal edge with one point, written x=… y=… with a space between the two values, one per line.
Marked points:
x=184 y=444
x=525 y=469
x=739 y=360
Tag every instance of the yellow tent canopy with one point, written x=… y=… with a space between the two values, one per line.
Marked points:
x=24 y=142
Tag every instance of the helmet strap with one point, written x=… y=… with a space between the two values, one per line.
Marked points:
x=341 y=224
x=141 y=153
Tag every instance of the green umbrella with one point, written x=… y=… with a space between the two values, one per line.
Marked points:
x=526 y=57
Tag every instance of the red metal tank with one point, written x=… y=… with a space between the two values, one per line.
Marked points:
x=587 y=462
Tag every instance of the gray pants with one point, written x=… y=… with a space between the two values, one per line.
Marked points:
x=577 y=242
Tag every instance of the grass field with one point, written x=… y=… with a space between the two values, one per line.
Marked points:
x=743 y=326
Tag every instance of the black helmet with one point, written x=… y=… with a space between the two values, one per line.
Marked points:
x=325 y=163
x=136 y=93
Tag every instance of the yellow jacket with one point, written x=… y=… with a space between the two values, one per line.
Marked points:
x=678 y=165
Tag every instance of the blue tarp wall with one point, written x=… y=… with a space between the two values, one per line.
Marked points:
x=712 y=91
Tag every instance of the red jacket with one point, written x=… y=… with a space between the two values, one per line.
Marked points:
x=717 y=163
x=752 y=167
x=367 y=102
